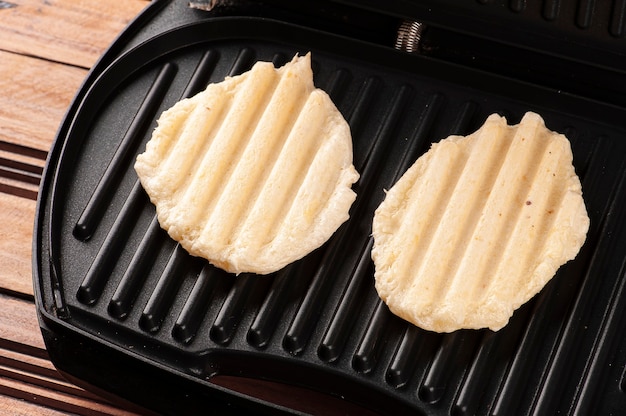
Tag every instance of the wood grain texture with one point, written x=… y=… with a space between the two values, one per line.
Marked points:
x=46 y=48
x=19 y=325
x=74 y=32
x=35 y=95
x=18 y=407
x=16 y=229
x=27 y=374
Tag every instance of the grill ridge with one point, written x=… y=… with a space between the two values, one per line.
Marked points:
x=518 y=373
x=336 y=333
x=229 y=316
x=404 y=360
x=618 y=18
x=481 y=367
x=164 y=292
x=133 y=278
x=437 y=377
x=601 y=20
x=303 y=321
x=202 y=73
x=551 y=9
x=339 y=81
x=584 y=15
x=97 y=276
x=348 y=307
x=196 y=305
x=330 y=347
x=610 y=335
x=273 y=305
x=135 y=274
x=357 y=114
x=583 y=315
x=92 y=213
x=366 y=356
x=370 y=168
x=242 y=62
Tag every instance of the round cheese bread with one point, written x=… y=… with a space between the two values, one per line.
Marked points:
x=254 y=172
x=478 y=225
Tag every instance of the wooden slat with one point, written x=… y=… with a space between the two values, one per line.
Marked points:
x=74 y=32
x=19 y=325
x=27 y=362
x=57 y=400
x=27 y=374
x=19 y=407
x=20 y=170
x=36 y=376
x=35 y=96
x=16 y=230
x=49 y=388
x=45 y=50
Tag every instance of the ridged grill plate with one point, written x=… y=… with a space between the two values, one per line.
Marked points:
x=106 y=270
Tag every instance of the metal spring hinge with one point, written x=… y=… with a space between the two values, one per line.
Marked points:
x=207 y=5
x=409 y=36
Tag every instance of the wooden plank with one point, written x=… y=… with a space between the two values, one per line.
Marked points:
x=19 y=327
x=74 y=32
x=57 y=400
x=55 y=383
x=45 y=50
x=27 y=362
x=35 y=96
x=51 y=385
x=27 y=374
x=20 y=173
x=19 y=407
x=16 y=231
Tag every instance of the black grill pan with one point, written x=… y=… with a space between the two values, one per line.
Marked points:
x=127 y=313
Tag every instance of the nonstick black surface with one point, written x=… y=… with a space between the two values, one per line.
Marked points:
x=127 y=311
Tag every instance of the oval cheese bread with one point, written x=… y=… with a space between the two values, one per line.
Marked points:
x=478 y=225
x=254 y=172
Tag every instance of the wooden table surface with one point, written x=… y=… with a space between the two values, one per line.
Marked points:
x=46 y=50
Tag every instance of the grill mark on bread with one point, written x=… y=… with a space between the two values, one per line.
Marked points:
x=191 y=145
x=551 y=208
x=303 y=135
x=523 y=176
x=211 y=119
x=525 y=223
x=313 y=191
x=216 y=165
x=427 y=219
x=283 y=110
x=488 y=152
x=482 y=255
